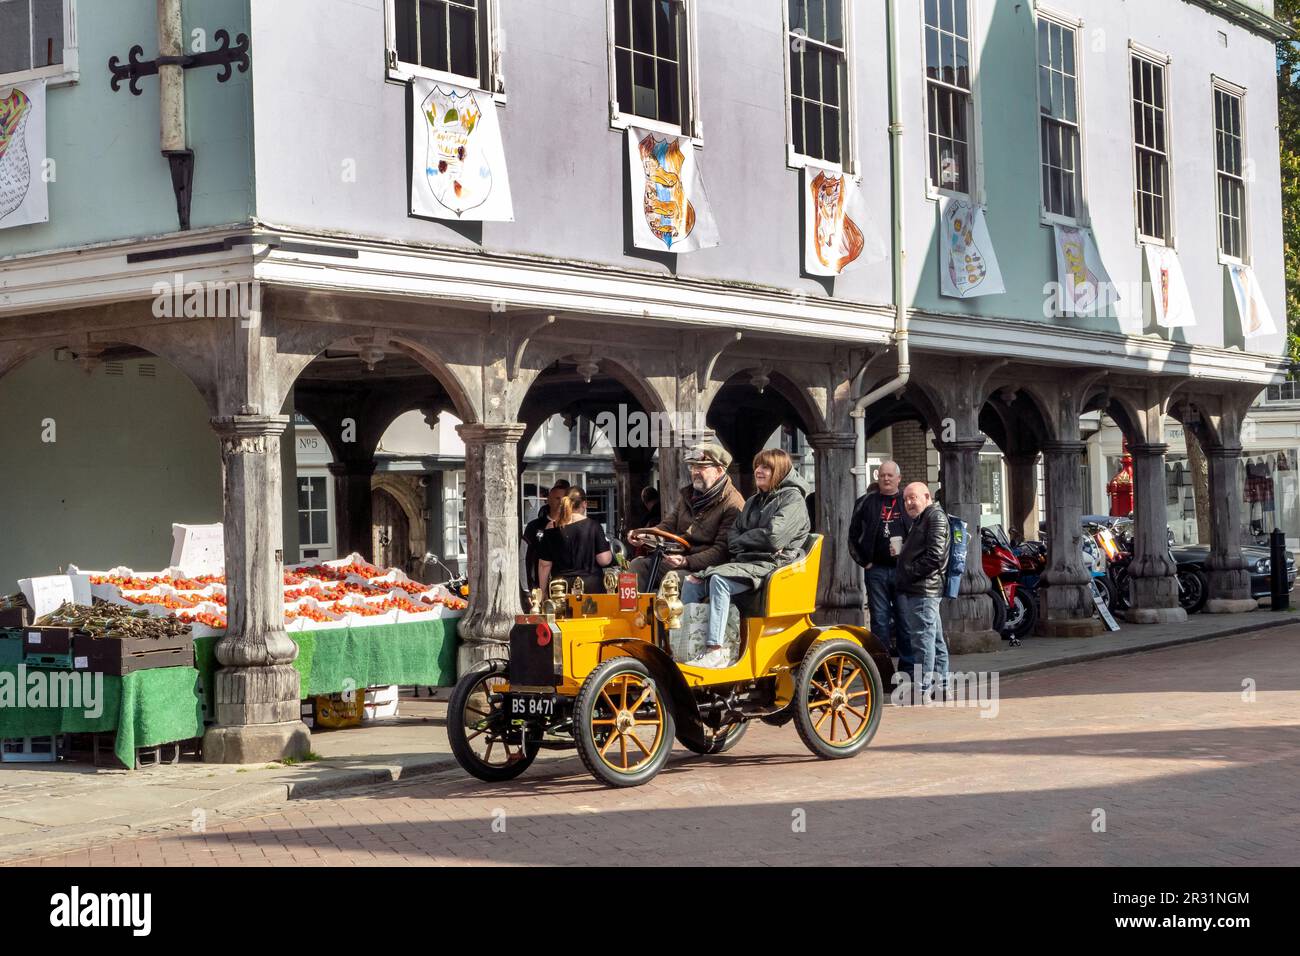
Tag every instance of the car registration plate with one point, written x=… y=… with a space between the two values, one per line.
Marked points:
x=530 y=705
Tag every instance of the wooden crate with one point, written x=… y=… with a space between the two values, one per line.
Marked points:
x=38 y=641
x=122 y=656
x=15 y=617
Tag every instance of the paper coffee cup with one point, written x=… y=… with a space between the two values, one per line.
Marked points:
x=895 y=545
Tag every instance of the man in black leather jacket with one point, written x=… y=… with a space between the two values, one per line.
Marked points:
x=878 y=518
x=919 y=579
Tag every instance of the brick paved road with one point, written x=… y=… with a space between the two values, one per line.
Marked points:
x=1186 y=771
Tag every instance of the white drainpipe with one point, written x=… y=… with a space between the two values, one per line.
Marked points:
x=896 y=384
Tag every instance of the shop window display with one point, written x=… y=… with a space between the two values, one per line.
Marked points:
x=1270 y=493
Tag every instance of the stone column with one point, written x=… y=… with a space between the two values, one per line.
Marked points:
x=1022 y=496
x=840 y=592
x=256 y=690
x=1229 y=579
x=1065 y=603
x=353 y=519
x=1153 y=573
x=967 y=618
x=492 y=530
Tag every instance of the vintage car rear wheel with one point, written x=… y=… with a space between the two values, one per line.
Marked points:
x=476 y=726
x=719 y=742
x=622 y=723
x=838 y=698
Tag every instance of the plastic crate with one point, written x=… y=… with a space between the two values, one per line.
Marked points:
x=381 y=703
x=11 y=647
x=51 y=661
x=30 y=749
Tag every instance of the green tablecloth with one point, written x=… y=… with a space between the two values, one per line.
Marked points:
x=163 y=704
x=332 y=661
x=160 y=705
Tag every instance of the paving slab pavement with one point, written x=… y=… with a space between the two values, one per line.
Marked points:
x=50 y=807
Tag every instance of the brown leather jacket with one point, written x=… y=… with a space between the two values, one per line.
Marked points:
x=707 y=532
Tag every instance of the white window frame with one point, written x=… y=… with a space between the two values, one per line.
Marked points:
x=1045 y=217
x=494 y=81
x=1219 y=84
x=329 y=510
x=849 y=142
x=694 y=126
x=976 y=157
x=1165 y=61
x=60 y=74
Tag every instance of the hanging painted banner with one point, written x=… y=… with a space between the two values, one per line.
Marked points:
x=1256 y=319
x=1170 y=298
x=968 y=266
x=458 y=165
x=1085 y=286
x=837 y=236
x=24 y=193
x=670 y=210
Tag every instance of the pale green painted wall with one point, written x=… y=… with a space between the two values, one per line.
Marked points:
x=132 y=455
x=111 y=180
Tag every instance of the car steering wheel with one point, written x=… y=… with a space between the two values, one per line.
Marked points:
x=660 y=540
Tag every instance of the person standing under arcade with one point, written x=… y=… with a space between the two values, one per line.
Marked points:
x=880 y=522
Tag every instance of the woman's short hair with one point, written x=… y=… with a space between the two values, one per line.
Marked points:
x=778 y=461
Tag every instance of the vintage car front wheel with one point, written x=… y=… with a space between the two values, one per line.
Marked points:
x=478 y=728
x=838 y=698
x=623 y=726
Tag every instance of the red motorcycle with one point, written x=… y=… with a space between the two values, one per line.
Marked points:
x=1014 y=609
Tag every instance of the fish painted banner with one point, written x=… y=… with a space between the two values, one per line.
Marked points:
x=1085 y=286
x=1256 y=318
x=837 y=235
x=1171 y=301
x=458 y=164
x=968 y=266
x=24 y=192
x=670 y=209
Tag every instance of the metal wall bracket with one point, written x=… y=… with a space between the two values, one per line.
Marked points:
x=225 y=56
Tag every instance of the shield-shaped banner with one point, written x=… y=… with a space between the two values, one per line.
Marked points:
x=458 y=166
x=24 y=193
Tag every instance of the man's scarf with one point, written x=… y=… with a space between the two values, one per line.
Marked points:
x=701 y=501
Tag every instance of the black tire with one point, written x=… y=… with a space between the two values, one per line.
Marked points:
x=1025 y=614
x=1194 y=590
x=1107 y=589
x=595 y=704
x=468 y=721
x=825 y=658
x=720 y=743
x=1119 y=589
x=999 y=610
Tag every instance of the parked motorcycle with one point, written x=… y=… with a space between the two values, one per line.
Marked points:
x=1015 y=610
x=1193 y=586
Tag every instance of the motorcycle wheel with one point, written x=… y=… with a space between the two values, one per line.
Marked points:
x=999 y=611
x=1106 y=588
x=1119 y=588
x=1193 y=590
x=1023 y=614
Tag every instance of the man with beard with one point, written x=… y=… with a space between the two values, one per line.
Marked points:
x=705 y=512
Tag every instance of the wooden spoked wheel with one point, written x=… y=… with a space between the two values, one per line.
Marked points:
x=478 y=728
x=842 y=700
x=624 y=727
x=838 y=698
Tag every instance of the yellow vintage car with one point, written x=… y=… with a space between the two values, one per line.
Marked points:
x=597 y=672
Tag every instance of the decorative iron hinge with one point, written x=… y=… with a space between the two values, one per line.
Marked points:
x=225 y=56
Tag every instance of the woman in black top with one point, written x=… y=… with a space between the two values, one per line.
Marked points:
x=573 y=545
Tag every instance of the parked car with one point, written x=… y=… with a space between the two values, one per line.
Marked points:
x=1258 y=563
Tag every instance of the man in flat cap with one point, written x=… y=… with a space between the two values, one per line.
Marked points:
x=706 y=509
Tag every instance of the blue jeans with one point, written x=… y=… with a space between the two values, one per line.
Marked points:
x=718 y=591
x=882 y=601
x=919 y=615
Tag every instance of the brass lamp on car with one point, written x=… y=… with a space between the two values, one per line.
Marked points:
x=668 y=602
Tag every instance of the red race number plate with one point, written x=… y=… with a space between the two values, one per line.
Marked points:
x=627 y=592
